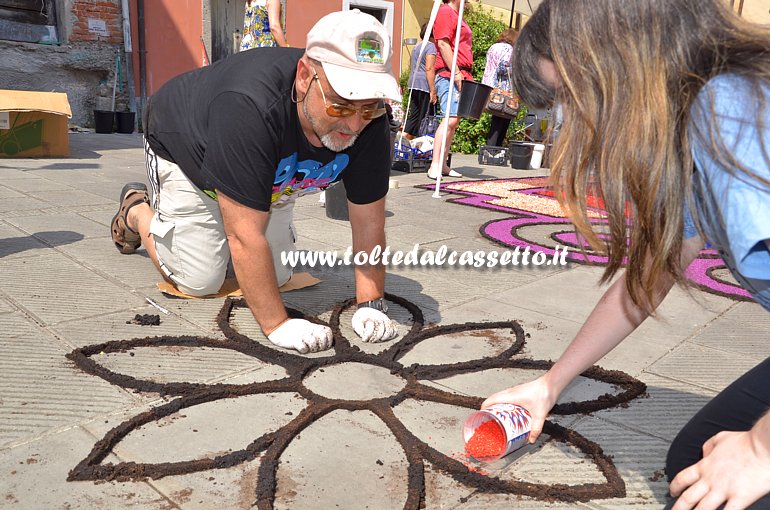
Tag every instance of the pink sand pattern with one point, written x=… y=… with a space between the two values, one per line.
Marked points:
x=536 y=211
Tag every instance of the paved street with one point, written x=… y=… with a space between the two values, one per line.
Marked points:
x=199 y=417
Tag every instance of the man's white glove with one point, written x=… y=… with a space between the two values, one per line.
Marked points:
x=373 y=325
x=302 y=335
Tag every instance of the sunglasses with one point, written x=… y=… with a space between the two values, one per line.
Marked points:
x=367 y=112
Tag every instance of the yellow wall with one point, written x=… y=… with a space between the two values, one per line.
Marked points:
x=757 y=11
x=416 y=12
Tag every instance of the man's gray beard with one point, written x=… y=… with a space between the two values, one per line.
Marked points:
x=327 y=139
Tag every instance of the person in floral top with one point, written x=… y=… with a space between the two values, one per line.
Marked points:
x=262 y=25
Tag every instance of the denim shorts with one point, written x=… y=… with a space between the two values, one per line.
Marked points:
x=442 y=90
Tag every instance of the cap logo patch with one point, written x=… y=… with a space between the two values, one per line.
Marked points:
x=369 y=51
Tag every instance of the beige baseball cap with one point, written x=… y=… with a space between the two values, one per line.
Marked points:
x=355 y=51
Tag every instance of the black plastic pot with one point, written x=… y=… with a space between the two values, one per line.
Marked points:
x=337 y=202
x=473 y=99
x=104 y=121
x=125 y=122
x=521 y=154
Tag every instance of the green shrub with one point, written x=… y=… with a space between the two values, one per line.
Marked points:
x=471 y=134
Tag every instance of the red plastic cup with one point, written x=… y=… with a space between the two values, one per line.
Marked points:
x=493 y=433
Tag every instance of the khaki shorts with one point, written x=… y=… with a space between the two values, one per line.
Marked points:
x=189 y=233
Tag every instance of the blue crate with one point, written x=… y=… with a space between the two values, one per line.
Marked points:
x=411 y=159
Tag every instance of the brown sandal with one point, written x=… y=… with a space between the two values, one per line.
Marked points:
x=125 y=239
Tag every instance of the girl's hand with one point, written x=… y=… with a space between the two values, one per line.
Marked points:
x=535 y=396
x=735 y=470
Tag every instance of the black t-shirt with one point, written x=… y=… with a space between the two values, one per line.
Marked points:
x=233 y=127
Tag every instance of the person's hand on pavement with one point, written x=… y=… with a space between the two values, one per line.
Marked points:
x=734 y=470
x=534 y=396
x=373 y=325
x=302 y=335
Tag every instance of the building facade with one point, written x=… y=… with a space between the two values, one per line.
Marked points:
x=73 y=46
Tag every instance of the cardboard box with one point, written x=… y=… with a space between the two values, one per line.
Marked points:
x=33 y=124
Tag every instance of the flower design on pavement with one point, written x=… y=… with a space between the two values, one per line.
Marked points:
x=272 y=444
x=535 y=209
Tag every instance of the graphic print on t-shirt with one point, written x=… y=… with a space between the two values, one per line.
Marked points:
x=295 y=178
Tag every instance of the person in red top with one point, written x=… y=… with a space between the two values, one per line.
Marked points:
x=444 y=30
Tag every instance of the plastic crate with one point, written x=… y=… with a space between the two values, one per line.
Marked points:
x=411 y=160
x=493 y=155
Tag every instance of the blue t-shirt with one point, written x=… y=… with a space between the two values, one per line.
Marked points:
x=734 y=209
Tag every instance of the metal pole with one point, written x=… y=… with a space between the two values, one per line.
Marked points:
x=513 y=7
x=142 y=57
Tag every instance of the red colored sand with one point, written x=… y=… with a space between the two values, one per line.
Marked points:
x=488 y=440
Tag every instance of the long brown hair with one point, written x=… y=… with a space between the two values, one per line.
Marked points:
x=631 y=71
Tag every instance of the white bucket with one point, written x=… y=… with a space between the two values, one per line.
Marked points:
x=537 y=156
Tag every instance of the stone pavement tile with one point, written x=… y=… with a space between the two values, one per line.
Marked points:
x=11 y=170
x=203 y=431
x=442 y=491
x=307 y=244
x=15 y=243
x=326 y=231
x=231 y=488
x=40 y=390
x=550 y=336
x=404 y=237
x=132 y=271
x=70 y=197
x=59 y=228
x=459 y=347
x=681 y=315
x=33 y=476
x=432 y=292
x=343 y=460
x=742 y=330
x=102 y=216
x=88 y=175
x=459 y=220
x=199 y=312
x=490 y=281
x=666 y=408
x=21 y=204
x=165 y=364
x=77 y=292
x=6 y=193
x=28 y=184
x=121 y=326
x=5 y=306
x=703 y=366
x=639 y=458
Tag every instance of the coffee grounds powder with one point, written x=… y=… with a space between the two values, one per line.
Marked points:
x=271 y=445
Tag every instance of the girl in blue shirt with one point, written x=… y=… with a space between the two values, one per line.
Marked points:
x=666 y=115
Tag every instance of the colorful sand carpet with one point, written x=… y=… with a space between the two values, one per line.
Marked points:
x=537 y=221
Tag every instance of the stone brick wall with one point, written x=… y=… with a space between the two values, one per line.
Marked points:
x=96 y=21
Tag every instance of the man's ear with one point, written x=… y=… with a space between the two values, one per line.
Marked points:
x=304 y=77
